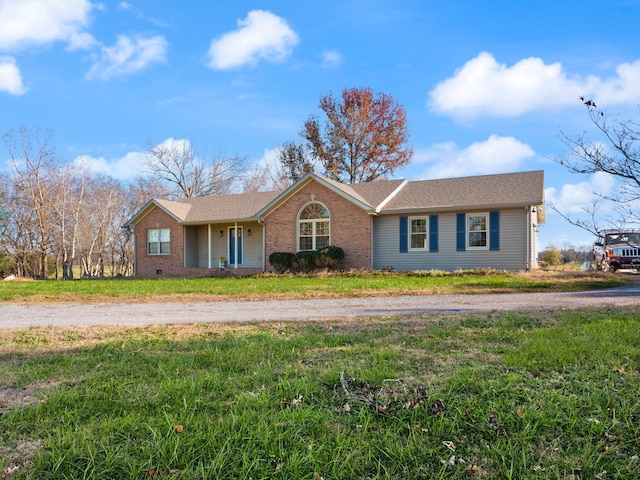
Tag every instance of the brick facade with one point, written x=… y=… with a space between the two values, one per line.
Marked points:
x=172 y=265
x=350 y=229
x=149 y=265
x=350 y=225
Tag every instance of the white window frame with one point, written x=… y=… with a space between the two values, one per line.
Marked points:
x=469 y=231
x=411 y=233
x=314 y=222
x=159 y=242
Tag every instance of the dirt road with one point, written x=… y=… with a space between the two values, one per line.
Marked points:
x=64 y=315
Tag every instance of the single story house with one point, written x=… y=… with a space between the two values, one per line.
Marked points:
x=487 y=221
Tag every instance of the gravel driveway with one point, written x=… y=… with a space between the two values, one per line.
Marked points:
x=63 y=315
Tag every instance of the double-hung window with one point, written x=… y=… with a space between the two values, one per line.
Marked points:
x=418 y=233
x=313 y=227
x=158 y=241
x=477 y=231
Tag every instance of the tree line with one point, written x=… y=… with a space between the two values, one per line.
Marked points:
x=59 y=218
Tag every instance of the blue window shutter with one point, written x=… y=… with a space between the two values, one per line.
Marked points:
x=461 y=232
x=494 y=230
x=433 y=233
x=404 y=234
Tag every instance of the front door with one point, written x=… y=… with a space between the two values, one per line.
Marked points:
x=235 y=245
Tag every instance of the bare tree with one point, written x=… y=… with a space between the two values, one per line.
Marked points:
x=31 y=182
x=278 y=169
x=364 y=137
x=175 y=163
x=98 y=225
x=616 y=152
x=295 y=161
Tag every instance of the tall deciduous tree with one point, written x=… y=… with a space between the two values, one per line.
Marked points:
x=614 y=151
x=364 y=137
x=31 y=183
x=295 y=161
x=175 y=163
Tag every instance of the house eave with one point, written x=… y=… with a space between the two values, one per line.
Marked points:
x=457 y=208
x=144 y=211
x=221 y=221
x=303 y=182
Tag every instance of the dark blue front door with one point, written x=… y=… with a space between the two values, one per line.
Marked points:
x=235 y=245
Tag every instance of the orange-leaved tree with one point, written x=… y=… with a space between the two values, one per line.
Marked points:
x=364 y=137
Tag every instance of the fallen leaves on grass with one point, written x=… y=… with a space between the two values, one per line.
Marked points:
x=393 y=394
x=160 y=473
x=11 y=469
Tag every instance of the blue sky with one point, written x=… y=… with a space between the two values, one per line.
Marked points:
x=487 y=86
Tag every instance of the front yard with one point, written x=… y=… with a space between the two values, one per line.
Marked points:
x=499 y=395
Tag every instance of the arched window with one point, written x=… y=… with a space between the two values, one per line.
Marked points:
x=313 y=227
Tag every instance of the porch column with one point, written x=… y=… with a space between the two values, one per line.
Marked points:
x=209 y=245
x=235 y=246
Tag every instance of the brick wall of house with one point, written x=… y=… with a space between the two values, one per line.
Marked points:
x=172 y=265
x=350 y=225
x=148 y=265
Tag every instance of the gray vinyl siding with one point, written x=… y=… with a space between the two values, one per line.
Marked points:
x=511 y=256
x=191 y=239
x=203 y=254
x=252 y=245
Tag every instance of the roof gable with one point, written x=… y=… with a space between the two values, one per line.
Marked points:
x=173 y=209
x=347 y=192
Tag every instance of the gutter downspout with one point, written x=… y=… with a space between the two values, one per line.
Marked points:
x=132 y=231
x=371 y=242
x=264 y=244
x=527 y=246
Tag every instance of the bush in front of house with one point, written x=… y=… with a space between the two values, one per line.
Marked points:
x=330 y=258
x=281 y=261
x=305 y=261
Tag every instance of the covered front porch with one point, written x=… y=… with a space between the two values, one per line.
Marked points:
x=237 y=245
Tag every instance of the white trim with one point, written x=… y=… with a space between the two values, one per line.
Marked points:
x=426 y=232
x=313 y=227
x=390 y=197
x=486 y=230
x=159 y=242
x=235 y=242
x=209 y=249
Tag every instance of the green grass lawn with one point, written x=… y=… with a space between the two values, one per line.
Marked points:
x=486 y=396
x=323 y=285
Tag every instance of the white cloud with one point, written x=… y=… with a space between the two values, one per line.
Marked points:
x=40 y=22
x=124 y=168
x=10 y=78
x=483 y=87
x=331 y=59
x=574 y=198
x=495 y=155
x=261 y=36
x=128 y=55
x=132 y=163
x=624 y=88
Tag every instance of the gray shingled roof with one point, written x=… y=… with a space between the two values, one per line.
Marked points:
x=369 y=193
x=485 y=191
x=376 y=192
x=502 y=190
x=226 y=207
